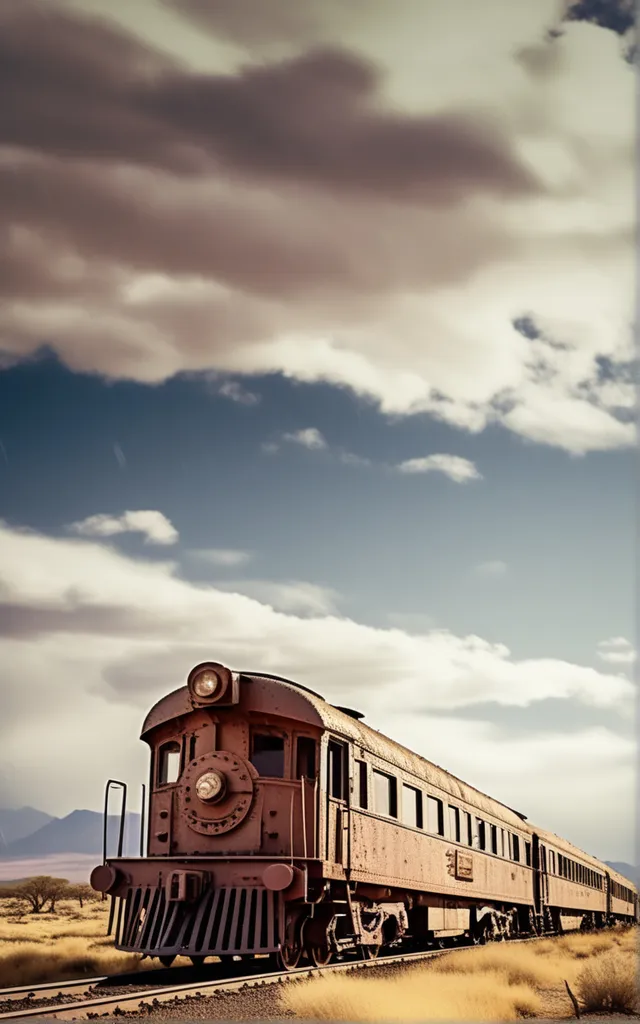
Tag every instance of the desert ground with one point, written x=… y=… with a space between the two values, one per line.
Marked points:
x=501 y=982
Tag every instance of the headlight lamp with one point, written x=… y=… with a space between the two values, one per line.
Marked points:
x=210 y=786
x=206 y=684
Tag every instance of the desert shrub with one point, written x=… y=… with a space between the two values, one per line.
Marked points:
x=609 y=984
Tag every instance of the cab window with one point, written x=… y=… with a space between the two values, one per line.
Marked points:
x=267 y=755
x=305 y=757
x=168 y=763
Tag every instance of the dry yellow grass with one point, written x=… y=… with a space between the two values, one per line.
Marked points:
x=413 y=996
x=71 y=943
x=609 y=984
x=495 y=983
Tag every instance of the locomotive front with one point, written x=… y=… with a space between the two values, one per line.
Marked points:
x=232 y=821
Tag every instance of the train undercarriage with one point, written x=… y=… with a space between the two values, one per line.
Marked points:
x=338 y=920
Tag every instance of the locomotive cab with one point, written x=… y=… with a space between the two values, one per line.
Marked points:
x=230 y=773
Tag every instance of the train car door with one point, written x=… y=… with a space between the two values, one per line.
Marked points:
x=607 y=885
x=337 y=831
x=540 y=881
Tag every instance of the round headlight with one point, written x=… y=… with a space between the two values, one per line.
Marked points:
x=206 y=684
x=210 y=786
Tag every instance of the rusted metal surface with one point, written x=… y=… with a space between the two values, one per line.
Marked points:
x=221 y=921
x=554 y=842
x=240 y=857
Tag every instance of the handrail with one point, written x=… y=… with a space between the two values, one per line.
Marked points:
x=142 y=814
x=123 y=786
x=291 y=824
x=303 y=800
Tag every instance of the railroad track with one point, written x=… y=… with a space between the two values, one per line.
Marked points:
x=140 y=998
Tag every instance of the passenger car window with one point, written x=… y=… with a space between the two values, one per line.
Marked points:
x=454 y=823
x=267 y=755
x=435 y=816
x=516 y=848
x=168 y=763
x=305 y=757
x=385 y=794
x=482 y=833
x=493 y=830
x=527 y=853
x=412 y=806
x=466 y=829
x=361 y=787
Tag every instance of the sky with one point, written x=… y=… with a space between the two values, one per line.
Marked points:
x=316 y=358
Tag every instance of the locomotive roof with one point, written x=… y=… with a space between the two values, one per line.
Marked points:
x=303 y=704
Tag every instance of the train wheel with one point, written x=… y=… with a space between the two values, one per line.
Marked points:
x=290 y=957
x=166 y=961
x=320 y=956
x=197 y=961
x=370 y=952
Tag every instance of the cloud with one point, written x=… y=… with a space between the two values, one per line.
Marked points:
x=310 y=437
x=493 y=569
x=234 y=390
x=154 y=525
x=270 y=216
x=456 y=468
x=350 y=459
x=617 y=651
x=115 y=633
x=294 y=597
x=75 y=578
x=221 y=556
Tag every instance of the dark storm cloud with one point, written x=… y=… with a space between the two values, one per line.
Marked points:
x=20 y=622
x=65 y=83
x=248 y=23
x=314 y=118
x=273 y=244
x=77 y=87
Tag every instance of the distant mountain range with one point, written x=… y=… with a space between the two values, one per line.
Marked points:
x=20 y=822
x=628 y=870
x=78 y=833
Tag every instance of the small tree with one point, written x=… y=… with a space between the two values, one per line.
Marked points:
x=58 y=889
x=81 y=892
x=39 y=891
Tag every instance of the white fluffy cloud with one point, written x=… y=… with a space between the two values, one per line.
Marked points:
x=456 y=468
x=237 y=393
x=155 y=526
x=295 y=597
x=111 y=634
x=309 y=437
x=617 y=651
x=221 y=556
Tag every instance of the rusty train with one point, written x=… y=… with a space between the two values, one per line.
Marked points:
x=278 y=823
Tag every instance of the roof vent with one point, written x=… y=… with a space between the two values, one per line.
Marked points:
x=348 y=711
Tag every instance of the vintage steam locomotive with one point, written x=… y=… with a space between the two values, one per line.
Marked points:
x=280 y=824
